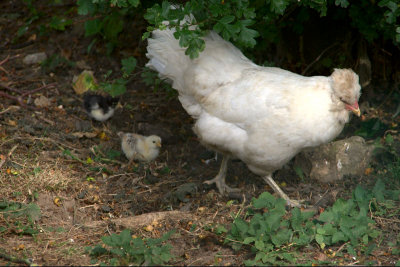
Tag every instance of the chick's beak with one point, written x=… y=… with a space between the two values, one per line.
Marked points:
x=354 y=108
x=158 y=144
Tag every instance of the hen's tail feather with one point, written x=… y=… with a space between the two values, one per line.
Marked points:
x=167 y=57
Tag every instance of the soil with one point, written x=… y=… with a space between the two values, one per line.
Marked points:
x=82 y=191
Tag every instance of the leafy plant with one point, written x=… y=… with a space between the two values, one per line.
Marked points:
x=19 y=218
x=123 y=249
x=272 y=233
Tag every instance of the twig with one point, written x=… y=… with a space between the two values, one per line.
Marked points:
x=4 y=60
x=8 y=155
x=22 y=93
x=8 y=257
x=318 y=58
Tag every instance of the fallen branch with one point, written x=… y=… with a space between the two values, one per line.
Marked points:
x=139 y=221
x=8 y=257
x=19 y=99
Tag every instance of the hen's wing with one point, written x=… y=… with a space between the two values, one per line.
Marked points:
x=267 y=115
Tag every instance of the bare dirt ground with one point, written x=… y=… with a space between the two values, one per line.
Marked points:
x=82 y=192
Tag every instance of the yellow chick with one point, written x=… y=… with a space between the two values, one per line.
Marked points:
x=139 y=147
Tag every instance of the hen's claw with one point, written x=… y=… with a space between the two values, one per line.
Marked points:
x=221 y=185
x=219 y=180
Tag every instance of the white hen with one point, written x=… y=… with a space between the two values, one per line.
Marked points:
x=139 y=147
x=261 y=115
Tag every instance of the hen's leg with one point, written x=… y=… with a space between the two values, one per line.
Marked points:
x=219 y=180
x=277 y=189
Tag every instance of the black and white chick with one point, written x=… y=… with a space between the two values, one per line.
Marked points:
x=139 y=147
x=98 y=107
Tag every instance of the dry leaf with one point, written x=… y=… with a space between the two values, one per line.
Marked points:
x=84 y=134
x=84 y=82
x=57 y=201
x=12 y=123
x=368 y=171
x=103 y=136
x=149 y=228
x=42 y=102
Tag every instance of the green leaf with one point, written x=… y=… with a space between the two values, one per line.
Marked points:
x=113 y=25
x=33 y=211
x=241 y=225
x=389 y=139
x=134 y=3
x=116 y=88
x=58 y=23
x=128 y=65
x=86 y=7
x=279 y=6
x=326 y=216
x=265 y=200
x=93 y=27
x=259 y=245
x=320 y=240
x=350 y=250
x=342 y=3
x=246 y=35
x=249 y=239
x=338 y=236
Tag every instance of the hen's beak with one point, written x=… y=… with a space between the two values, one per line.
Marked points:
x=354 y=108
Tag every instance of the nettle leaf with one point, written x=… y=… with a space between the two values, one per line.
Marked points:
x=265 y=200
x=326 y=216
x=320 y=240
x=281 y=237
x=249 y=239
x=338 y=236
x=241 y=225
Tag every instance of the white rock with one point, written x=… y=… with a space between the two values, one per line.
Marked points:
x=34 y=58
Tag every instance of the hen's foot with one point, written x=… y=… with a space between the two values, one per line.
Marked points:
x=290 y=202
x=222 y=186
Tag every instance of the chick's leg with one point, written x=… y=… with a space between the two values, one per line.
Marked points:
x=219 y=180
x=292 y=203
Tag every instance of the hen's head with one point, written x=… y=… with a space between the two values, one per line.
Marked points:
x=347 y=88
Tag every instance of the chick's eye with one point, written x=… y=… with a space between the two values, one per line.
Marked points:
x=154 y=142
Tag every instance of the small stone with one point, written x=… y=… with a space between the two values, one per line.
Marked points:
x=34 y=58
